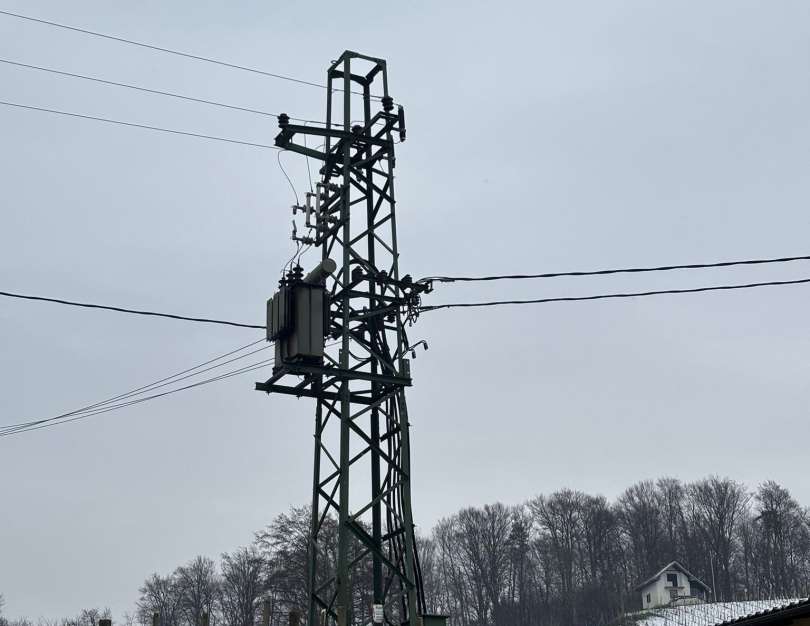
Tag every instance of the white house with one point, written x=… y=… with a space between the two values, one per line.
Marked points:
x=673 y=584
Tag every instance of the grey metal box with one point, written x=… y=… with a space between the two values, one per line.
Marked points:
x=296 y=321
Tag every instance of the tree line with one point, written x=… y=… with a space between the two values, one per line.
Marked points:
x=85 y=617
x=571 y=558
x=563 y=559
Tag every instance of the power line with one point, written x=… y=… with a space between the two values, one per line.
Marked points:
x=638 y=294
x=37 y=424
x=188 y=55
x=174 y=378
x=79 y=415
x=628 y=270
x=170 y=94
x=133 y=125
x=105 y=406
x=179 y=53
x=131 y=311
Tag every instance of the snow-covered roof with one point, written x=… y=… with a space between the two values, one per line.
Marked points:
x=750 y=613
x=775 y=615
x=674 y=565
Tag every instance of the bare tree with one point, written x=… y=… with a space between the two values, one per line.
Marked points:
x=160 y=595
x=242 y=586
x=455 y=586
x=671 y=494
x=716 y=506
x=641 y=523
x=471 y=559
x=516 y=608
x=90 y=617
x=197 y=586
x=284 y=545
x=486 y=533
x=559 y=517
x=431 y=575
x=780 y=541
x=128 y=619
x=600 y=590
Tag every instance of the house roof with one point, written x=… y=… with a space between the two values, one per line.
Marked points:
x=693 y=580
x=779 y=616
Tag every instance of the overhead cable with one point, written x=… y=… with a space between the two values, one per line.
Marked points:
x=152 y=91
x=179 y=53
x=106 y=406
x=140 y=44
x=38 y=425
x=626 y=270
x=167 y=380
x=638 y=294
x=133 y=125
x=105 y=307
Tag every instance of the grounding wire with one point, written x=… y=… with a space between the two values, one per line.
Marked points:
x=134 y=125
x=117 y=309
x=152 y=91
x=147 y=388
x=627 y=270
x=638 y=294
x=187 y=55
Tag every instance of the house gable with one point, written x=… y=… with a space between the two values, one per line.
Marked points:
x=672 y=582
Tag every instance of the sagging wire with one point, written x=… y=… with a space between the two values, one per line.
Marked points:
x=283 y=171
x=139 y=391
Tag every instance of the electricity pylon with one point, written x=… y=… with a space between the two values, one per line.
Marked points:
x=362 y=461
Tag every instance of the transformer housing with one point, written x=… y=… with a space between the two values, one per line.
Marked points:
x=297 y=319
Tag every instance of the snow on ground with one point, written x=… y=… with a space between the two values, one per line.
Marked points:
x=708 y=614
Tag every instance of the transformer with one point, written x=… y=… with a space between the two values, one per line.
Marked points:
x=297 y=316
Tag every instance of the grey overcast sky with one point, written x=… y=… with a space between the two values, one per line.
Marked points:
x=543 y=136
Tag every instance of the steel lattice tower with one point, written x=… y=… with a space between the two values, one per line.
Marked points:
x=361 y=422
